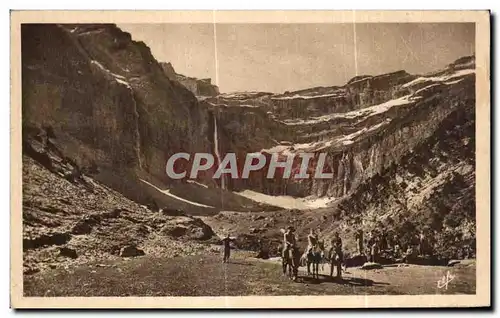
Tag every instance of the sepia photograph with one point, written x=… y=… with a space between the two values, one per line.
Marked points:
x=220 y=160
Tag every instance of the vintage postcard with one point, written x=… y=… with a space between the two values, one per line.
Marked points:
x=239 y=159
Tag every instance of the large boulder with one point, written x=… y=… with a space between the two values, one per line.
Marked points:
x=172 y=212
x=371 y=265
x=355 y=261
x=248 y=242
x=187 y=228
x=263 y=254
x=83 y=226
x=453 y=262
x=131 y=251
x=68 y=252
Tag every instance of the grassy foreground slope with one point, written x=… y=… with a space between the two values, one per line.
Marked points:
x=205 y=275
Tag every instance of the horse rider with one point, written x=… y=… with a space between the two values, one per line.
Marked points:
x=289 y=240
x=337 y=247
x=337 y=241
x=312 y=239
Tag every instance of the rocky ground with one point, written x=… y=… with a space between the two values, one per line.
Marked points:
x=71 y=219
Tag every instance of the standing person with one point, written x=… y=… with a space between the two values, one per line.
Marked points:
x=290 y=261
x=422 y=243
x=383 y=240
x=263 y=249
x=390 y=244
x=415 y=241
x=374 y=250
x=359 y=240
x=227 y=248
x=396 y=246
x=411 y=254
x=472 y=244
x=369 y=243
x=395 y=241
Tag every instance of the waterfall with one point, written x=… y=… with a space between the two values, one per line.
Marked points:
x=371 y=165
x=217 y=154
x=358 y=164
x=347 y=170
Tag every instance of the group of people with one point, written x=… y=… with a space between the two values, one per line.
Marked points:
x=412 y=245
x=372 y=246
x=290 y=241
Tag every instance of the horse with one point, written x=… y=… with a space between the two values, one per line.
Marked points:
x=336 y=259
x=315 y=257
x=291 y=260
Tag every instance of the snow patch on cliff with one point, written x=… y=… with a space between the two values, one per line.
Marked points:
x=197 y=183
x=297 y=96
x=365 y=112
x=319 y=145
x=167 y=192
x=444 y=78
x=286 y=201
x=120 y=79
x=227 y=105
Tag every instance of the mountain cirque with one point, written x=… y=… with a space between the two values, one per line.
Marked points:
x=101 y=116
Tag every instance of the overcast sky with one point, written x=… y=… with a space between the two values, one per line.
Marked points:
x=281 y=57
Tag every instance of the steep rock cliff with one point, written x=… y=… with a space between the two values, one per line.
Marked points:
x=371 y=133
x=108 y=101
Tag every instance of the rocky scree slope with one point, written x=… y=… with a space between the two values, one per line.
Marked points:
x=69 y=218
x=431 y=189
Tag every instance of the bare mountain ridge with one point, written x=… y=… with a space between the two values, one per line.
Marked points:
x=360 y=142
x=248 y=128
x=199 y=87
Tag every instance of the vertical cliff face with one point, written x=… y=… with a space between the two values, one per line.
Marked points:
x=392 y=138
x=359 y=92
x=365 y=126
x=106 y=99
